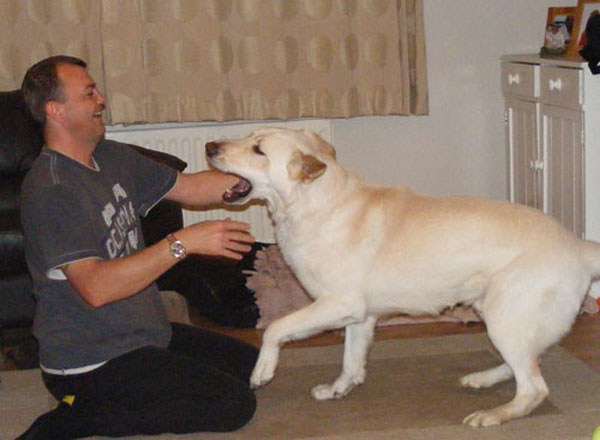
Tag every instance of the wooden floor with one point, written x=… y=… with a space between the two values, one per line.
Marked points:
x=582 y=342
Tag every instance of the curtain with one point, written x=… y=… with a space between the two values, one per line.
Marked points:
x=226 y=60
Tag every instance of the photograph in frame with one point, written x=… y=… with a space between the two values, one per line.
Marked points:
x=558 y=31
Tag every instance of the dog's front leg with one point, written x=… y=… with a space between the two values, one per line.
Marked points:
x=327 y=312
x=356 y=347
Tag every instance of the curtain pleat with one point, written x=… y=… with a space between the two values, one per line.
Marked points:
x=227 y=60
x=417 y=62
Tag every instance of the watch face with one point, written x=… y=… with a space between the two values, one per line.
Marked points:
x=178 y=249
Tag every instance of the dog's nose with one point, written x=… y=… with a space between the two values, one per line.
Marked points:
x=212 y=148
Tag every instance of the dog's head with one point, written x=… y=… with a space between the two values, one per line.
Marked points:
x=270 y=160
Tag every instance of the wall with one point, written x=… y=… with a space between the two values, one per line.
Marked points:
x=459 y=147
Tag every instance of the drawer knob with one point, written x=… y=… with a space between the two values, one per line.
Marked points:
x=536 y=165
x=555 y=84
x=513 y=79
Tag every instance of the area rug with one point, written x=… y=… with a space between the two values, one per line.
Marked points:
x=411 y=393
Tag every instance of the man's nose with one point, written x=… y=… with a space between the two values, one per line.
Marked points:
x=100 y=97
x=101 y=100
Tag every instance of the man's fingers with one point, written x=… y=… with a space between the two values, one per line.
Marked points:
x=232 y=255
x=238 y=247
x=238 y=232
x=232 y=225
x=241 y=237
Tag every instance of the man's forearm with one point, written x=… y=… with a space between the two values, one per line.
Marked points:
x=201 y=189
x=104 y=282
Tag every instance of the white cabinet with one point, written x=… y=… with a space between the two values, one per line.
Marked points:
x=524 y=154
x=564 y=168
x=552 y=114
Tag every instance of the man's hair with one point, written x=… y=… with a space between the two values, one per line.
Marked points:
x=41 y=84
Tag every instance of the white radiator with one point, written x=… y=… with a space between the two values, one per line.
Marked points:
x=187 y=141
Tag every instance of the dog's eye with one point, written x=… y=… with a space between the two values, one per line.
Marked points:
x=257 y=150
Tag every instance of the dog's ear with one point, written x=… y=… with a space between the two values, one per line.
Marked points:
x=323 y=146
x=305 y=168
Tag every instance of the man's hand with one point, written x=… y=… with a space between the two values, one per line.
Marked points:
x=222 y=238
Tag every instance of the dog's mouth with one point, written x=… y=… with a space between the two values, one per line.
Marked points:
x=237 y=192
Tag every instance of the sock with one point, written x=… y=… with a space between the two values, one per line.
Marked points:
x=50 y=425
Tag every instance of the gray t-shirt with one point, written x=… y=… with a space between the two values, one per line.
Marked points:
x=71 y=212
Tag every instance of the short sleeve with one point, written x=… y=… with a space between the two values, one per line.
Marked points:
x=152 y=180
x=56 y=225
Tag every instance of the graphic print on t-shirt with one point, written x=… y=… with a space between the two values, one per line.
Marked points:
x=120 y=217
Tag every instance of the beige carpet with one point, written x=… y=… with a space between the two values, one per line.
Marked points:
x=411 y=393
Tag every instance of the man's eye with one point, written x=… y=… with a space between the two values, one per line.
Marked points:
x=257 y=150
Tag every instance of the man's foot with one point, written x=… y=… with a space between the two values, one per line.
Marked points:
x=48 y=425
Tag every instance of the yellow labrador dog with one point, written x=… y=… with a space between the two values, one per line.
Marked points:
x=363 y=251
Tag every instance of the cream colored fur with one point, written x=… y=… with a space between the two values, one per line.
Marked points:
x=363 y=251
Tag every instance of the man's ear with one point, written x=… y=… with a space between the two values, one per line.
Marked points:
x=305 y=168
x=54 y=110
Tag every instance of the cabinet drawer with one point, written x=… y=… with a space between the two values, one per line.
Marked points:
x=561 y=86
x=520 y=79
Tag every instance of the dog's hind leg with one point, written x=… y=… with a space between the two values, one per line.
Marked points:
x=531 y=391
x=327 y=312
x=520 y=337
x=487 y=378
x=528 y=307
x=358 y=340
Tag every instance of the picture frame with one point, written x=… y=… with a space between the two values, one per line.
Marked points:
x=585 y=8
x=559 y=29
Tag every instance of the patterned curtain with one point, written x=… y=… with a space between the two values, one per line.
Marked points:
x=226 y=60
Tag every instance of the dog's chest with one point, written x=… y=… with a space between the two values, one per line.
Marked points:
x=308 y=265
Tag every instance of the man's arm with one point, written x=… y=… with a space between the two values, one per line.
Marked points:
x=102 y=282
x=201 y=189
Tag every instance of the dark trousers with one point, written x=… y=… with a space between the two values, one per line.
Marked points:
x=199 y=383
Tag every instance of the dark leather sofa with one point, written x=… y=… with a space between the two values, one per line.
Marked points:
x=20 y=143
x=215 y=287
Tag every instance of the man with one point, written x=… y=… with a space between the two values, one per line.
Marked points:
x=107 y=351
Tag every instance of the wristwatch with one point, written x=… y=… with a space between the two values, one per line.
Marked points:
x=176 y=247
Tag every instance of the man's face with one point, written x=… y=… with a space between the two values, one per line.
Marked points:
x=83 y=103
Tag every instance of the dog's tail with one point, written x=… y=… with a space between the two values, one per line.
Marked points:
x=591 y=256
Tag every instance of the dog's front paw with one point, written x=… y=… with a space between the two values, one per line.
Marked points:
x=333 y=391
x=324 y=392
x=338 y=389
x=263 y=372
